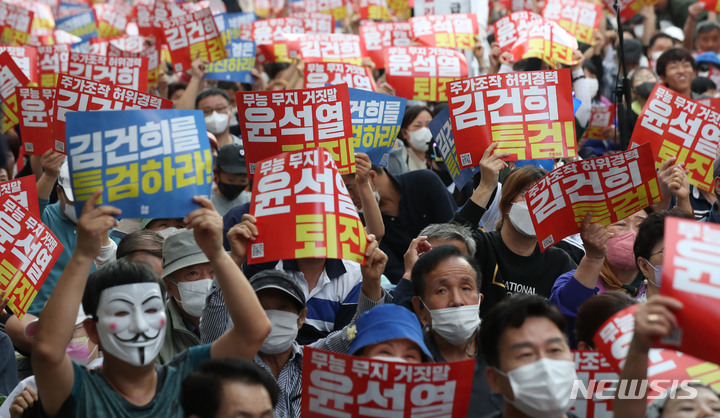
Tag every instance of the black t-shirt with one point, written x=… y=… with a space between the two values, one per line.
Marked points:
x=503 y=271
x=424 y=200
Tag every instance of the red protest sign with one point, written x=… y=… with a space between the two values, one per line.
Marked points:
x=51 y=62
x=357 y=77
x=269 y=38
x=337 y=8
x=713 y=103
x=28 y=252
x=421 y=73
x=375 y=37
x=111 y=18
x=601 y=118
x=548 y=41
x=691 y=274
x=78 y=94
x=676 y=126
x=193 y=35
x=338 y=385
x=315 y=22
x=300 y=196
x=10 y=77
x=528 y=114
x=36 y=118
x=130 y=73
x=150 y=18
x=580 y=18
x=23 y=190
x=628 y=8
x=325 y=47
x=457 y=30
x=593 y=400
x=25 y=57
x=508 y=28
x=152 y=53
x=375 y=10
x=15 y=24
x=664 y=366
x=291 y=120
x=611 y=188
x=267 y=8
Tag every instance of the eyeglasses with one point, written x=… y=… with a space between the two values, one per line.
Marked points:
x=208 y=112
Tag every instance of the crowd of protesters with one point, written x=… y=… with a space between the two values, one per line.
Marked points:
x=164 y=317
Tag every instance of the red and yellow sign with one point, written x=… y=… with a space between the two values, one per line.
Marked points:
x=421 y=73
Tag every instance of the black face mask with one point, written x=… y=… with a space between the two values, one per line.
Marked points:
x=644 y=89
x=230 y=191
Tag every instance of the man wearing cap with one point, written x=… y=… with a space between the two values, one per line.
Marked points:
x=714 y=214
x=283 y=300
x=60 y=217
x=188 y=276
x=231 y=179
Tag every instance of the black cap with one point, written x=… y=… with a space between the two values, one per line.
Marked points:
x=231 y=159
x=277 y=279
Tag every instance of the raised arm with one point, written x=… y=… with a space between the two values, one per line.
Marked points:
x=491 y=165
x=50 y=162
x=52 y=367
x=371 y=210
x=653 y=319
x=250 y=324
x=197 y=72
x=372 y=270
x=594 y=238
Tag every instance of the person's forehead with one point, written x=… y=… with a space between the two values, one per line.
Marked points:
x=186 y=270
x=423 y=115
x=250 y=399
x=213 y=100
x=536 y=331
x=134 y=292
x=450 y=268
x=435 y=241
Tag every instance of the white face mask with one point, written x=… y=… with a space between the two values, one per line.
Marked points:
x=167 y=231
x=655 y=55
x=456 y=325
x=217 y=122
x=131 y=322
x=283 y=333
x=520 y=219
x=420 y=139
x=542 y=389
x=193 y=295
x=69 y=211
x=593 y=86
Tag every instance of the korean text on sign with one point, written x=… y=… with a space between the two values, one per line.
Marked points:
x=593 y=370
x=79 y=94
x=613 y=341
x=191 y=34
x=375 y=37
x=376 y=120
x=25 y=57
x=509 y=28
x=152 y=53
x=529 y=115
x=601 y=118
x=441 y=129
x=301 y=196
x=276 y=121
x=11 y=77
x=337 y=8
x=36 y=118
x=80 y=24
x=315 y=22
x=15 y=24
x=611 y=188
x=691 y=273
x=676 y=126
x=269 y=38
x=148 y=162
x=579 y=17
x=421 y=73
x=548 y=41
x=28 y=251
x=51 y=62
x=325 y=47
x=318 y=74
x=130 y=73
x=338 y=385
x=24 y=191
x=446 y=31
x=238 y=64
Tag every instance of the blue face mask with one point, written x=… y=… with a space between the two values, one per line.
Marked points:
x=658 y=274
